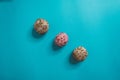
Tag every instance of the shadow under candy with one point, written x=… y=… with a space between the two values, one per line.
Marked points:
x=36 y=34
x=55 y=47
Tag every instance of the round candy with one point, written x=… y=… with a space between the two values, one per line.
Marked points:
x=61 y=39
x=41 y=26
x=80 y=54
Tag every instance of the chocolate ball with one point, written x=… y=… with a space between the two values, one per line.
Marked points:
x=41 y=26
x=61 y=39
x=80 y=53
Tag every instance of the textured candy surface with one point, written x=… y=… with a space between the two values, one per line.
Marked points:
x=41 y=26
x=80 y=53
x=61 y=39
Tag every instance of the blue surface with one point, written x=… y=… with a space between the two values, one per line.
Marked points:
x=94 y=24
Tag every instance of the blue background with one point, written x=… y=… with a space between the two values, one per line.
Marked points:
x=25 y=55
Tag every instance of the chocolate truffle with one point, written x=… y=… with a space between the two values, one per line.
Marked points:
x=80 y=53
x=61 y=39
x=41 y=26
